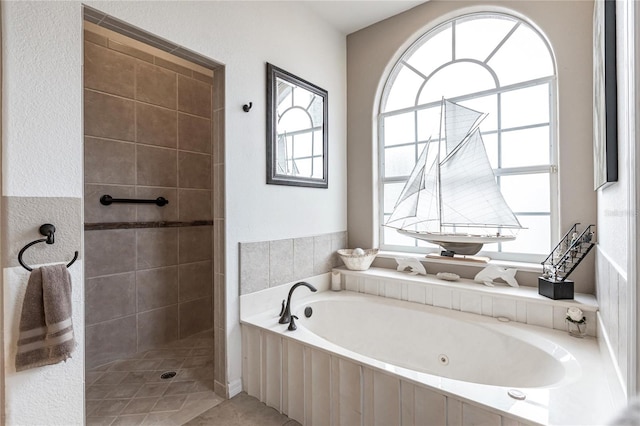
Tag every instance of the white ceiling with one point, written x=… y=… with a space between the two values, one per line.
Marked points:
x=351 y=16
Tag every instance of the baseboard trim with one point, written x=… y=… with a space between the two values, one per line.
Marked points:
x=235 y=387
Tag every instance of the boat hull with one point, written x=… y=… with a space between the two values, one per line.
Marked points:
x=463 y=244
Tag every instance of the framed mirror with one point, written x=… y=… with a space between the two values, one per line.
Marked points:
x=297 y=132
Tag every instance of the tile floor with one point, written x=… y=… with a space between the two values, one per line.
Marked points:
x=242 y=410
x=131 y=391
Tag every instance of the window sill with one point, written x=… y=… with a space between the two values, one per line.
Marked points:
x=520 y=266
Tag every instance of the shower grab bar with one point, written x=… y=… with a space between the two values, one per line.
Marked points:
x=107 y=200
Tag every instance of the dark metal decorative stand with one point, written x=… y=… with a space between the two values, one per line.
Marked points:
x=562 y=260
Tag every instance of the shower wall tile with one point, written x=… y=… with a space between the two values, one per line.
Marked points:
x=280 y=262
x=195 y=316
x=195 y=244
x=196 y=281
x=194 y=97
x=107 y=161
x=157 y=288
x=218 y=191
x=108 y=116
x=110 y=340
x=194 y=133
x=218 y=136
x=157 y=247
x=110 y=297
x=94 y=211
x=156 y=85
x=254 y=272
x=157 y=327
x=109 y=252
x=152 y=213
x=303 y=257
x=218 y=88
x=173 y=66
x=194 y=170
x=95 y=38
x=156 y=125
x=138 y=145
x=194 y=204
x=219 y=247
x=108 y=71
x=156 y=166
x=131 y=51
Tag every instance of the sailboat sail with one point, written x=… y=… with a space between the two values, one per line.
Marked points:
x=454 y=187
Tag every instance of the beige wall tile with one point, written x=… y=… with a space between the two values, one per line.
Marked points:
x=195 y=316
x=218 y=88
x=94 y=212
x=95 y=38
x=194 y=170
x=154 y=213
x=131 y=51
x=194 y=133
x=280 y=262
x=195 y=204
x=218 y=127
x=108 y=161
x=156 y=247
x=196 y=280
x=110 y=297
x=254 y=274
x=194 y=97
x=110 y=340
x=108 y=116
x=109 y=252
x=157 y=327
x=172 y=66
x=303 y=257
x=108 y=71
x=195 y=243
x=218 y=246
x=156 y=85
x=156 y=166
x=156 y=125
x=218 y=191
x=203 y=78
x=157 y=288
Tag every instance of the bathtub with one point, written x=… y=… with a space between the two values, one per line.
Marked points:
x=361 y=359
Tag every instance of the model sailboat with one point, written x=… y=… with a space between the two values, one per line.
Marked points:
x=451 y=197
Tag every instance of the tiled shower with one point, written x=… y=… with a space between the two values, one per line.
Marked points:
x=153 y=128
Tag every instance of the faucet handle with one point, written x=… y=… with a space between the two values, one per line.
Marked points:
x=281 y=309
x=292 y=324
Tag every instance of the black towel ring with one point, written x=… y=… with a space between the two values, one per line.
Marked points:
x=47 y=230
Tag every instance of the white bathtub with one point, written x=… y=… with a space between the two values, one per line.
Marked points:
x=402 y=350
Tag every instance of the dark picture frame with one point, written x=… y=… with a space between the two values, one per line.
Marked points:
x=605 y=118
x=276 y=173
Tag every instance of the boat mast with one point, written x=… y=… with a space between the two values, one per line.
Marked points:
x=442 y=113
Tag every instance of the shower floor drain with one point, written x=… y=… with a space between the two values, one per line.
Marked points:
x=168 y=375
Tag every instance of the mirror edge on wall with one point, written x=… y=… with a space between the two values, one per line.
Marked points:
x=273 y=73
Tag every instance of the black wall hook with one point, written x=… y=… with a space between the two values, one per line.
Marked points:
x=247 y=107
x=48 y=230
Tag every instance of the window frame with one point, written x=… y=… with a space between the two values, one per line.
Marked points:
x=551 y=169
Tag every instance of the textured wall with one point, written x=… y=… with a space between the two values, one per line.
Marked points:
x=43 y=138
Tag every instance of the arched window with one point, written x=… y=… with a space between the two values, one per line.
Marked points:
x=492 y=63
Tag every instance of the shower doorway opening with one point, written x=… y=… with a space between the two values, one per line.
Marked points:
x=154 y=227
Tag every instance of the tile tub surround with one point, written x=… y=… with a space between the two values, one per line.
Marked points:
x=522 y=304
x=316 y=382
x=151 y=129
x=268 y=264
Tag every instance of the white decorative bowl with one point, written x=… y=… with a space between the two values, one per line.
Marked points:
x=357 y=262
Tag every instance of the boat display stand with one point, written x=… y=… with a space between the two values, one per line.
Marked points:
x=470 y=259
